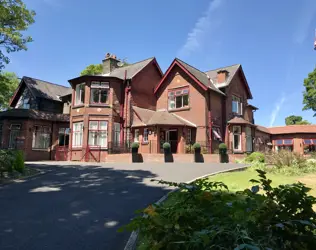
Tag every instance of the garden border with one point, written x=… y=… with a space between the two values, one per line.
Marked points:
x=131 y=243
x=7 y=182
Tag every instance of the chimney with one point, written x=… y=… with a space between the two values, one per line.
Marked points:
x=109 y=63
x=222 y=76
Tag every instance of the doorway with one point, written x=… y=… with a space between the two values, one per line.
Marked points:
x=172 y=138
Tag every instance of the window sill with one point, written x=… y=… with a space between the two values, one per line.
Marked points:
x=78 y=106
x=145 y=143
x=99 y=105
x=179 y=109
x=40 y=149
x=237 y=151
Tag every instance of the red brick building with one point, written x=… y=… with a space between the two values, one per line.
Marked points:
x=38 y=120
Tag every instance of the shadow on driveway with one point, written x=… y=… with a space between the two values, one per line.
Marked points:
x=73 y=207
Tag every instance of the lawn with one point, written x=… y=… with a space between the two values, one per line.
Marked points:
x=237 y=181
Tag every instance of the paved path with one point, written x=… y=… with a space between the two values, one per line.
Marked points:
x=75 y=206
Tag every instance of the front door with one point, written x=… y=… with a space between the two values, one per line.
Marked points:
x=248 y=140
x=172 y=138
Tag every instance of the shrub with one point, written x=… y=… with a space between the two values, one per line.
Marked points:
x=204 y=215
x=135 y=145
x=285 y=158
x=196 y=146
x=222 y=148
x=255 y=157
x=18 y=164
x=6 y=161
x=166 y=145
x=189 y=149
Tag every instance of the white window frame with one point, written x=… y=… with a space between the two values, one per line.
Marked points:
x=16 y=129
x=79 y=94
x=145 y=135
x=102 y=130
x=237 y=132
x=76 y=133
x=238 y=104
x=99 y=86
x=42 y=134
x=136 y=138
x=172 y=98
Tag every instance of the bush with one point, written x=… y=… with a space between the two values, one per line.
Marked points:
x=135 y=145
x=222 y=148
x=285 y=158
x=196 y=146
x=255 y=157
x=166 y=145
x=18 y=163
x=205 y=215
x=7 y=158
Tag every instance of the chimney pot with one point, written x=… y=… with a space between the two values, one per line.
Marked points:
x=107 y=55
x=109 y=63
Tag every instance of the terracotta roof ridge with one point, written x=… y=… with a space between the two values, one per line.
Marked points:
x=237 y=64
x=292 y=125
x=36 y=79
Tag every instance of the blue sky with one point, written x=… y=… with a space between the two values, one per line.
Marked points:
x=273 y=40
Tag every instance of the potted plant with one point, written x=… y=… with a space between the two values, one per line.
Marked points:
x=167 y=152
x=197 y=153
x=223 y=157
x=135 y=146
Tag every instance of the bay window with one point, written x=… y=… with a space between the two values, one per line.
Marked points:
x=283 y=144
x=14 y=134
x=178 y=98
x=99 y=92
x=309 y=145
x=77 y=129
x=236 y=105
x=80 y=94
x=98 y=134
x=237 y=138
x=41 y=137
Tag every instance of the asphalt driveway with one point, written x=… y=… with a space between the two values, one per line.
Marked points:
x=75 y=206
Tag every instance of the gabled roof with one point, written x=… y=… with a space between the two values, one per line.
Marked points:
x=239 y=120
x=41 y=89
x=293 y=129
x=263 y=129
x=232 y=70
x=34 y=114
x=198 y=76
x=151 y=118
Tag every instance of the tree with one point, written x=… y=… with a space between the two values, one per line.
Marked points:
x=295 y=120
x=15 y=18
x=309 y=100
x=8 y=84
x=92 y=69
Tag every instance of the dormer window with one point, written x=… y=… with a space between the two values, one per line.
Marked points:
x=99 y=93
x=80 y=93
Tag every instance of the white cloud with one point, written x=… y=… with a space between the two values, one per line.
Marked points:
x=276 y=111
x=203 y=24
x=306 y=16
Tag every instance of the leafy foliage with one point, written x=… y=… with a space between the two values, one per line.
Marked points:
x=18 y=163
x=204 y=215
x=15 y=18
x=295 y=120
x=222 y=148
x=255 y=157
x=309 y=95
x=92 y=69
x=285 y=158
x=196 y=146
x=135 y=145
x=8 y=84
x=166 y=145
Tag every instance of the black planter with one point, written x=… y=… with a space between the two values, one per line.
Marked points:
x=168 y=155
x=134 y=150
x=197 y=150
x=223 y=158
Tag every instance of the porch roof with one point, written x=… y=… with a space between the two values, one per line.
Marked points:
x=239 y=120
x=150 y=118
x=33 y=114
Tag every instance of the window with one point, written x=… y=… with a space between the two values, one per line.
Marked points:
x=145 y=137
x=77 y=134
x=309 y=145
x=63 y=137
x=80 y=93
x=14 y=134
x=98 y=133
x=41 y=137
x=189 y=135
x=236 y=105
x=283 y=144
x=117 y=133
x=237 y=138
x=136 y=135
x=178 y=98
x=26 y=103
x=99 y=92
x=217 y=134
